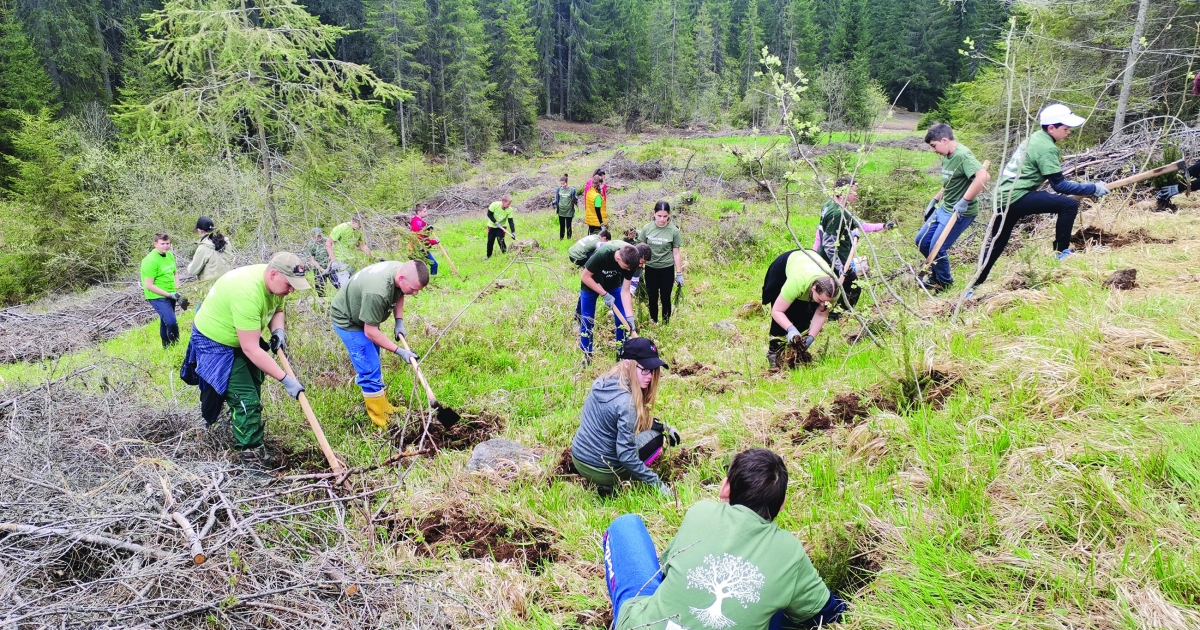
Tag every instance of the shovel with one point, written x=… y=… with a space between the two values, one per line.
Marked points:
x=445 y=415
x=334 y=464
x=937 y=247
x=624 y=322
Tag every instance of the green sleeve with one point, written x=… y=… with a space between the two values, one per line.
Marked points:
x=599 y=200
x=641 y=237
x=374 y=310
x=969 y=166
x=149 y=269
x=792 y=290
x=678 y=242
x=810 y=594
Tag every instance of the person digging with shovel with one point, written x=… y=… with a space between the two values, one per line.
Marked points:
x=582 y=250
x=1035 y=161
x=497 y=214
x=618 y=439
x=423 y=230
x=227 y=357
x=799 y=287
x=954 y=207
x=366 y=301
x=610 y=269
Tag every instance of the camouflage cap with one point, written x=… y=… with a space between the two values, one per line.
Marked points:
x=292 y=268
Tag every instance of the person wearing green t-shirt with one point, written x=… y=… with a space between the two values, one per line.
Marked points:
x=344 y=244
x=227 y=357
x=373 y=294
x=498 y=213
x=837 y=232
x=1038 y=160
x=584 y=247
x=159 y=281
x=564 y=202
x=664 y=270
x=963 y=178
x=729 y=565
x=318 y=253
x=608 y=277
x=798 y=288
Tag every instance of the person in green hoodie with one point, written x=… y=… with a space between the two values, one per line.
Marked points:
x=729 y=564
x=159 y=282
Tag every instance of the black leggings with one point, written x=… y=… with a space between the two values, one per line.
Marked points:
x=659 y=283
x=564 y=227
x=593 y=229
x=1037 y=202
x=496 y=234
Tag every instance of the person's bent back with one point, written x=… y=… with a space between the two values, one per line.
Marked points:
x=729 y=565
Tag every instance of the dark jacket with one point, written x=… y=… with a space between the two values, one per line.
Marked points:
x=606 y=431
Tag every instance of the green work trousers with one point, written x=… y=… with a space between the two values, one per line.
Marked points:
x=601 y=476
x=245 y=403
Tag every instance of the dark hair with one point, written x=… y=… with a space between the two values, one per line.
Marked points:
x=564 y=177
x=206 y=224
x=939 y=131
x=598 y=171
x=161 y=236
x=843 y=181
x=605 y=235
x=826 y=286
x=631 y=256
x=420 y=207
x=218 y=240
x=422 y=272
x=644 y=251
x=758 y=479
x=662 y=205
x=1047 y=127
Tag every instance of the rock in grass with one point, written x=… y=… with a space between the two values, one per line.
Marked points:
x=498 y=454
x=1122 y=280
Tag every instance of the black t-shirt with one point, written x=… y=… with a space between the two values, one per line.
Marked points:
x=605 y=269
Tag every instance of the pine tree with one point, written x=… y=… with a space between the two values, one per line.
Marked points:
x=513 y=59
x=672 y=61
x=66 y=34
x=466 y=88
x=805 y=40
x=750 y=45
x=398 y=30
x=707 y=77
x=24 y=86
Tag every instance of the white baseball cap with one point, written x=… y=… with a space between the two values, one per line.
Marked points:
x=1059 y=114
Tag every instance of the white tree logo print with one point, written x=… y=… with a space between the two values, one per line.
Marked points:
x=724 y=577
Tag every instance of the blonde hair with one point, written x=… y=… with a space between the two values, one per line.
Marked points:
x=642 y=400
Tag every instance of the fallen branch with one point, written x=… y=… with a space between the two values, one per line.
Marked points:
x=189 y=532
x=62 y=532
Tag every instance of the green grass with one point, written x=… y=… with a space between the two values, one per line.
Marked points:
x=1057 y=485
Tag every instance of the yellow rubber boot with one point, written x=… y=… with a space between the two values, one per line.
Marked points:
x=378 y=408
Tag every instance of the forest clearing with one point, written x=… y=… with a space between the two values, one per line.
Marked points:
x=600 y=314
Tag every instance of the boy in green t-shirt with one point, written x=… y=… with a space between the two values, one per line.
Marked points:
x=963 y=178
x=564 y=202
x=371 y=296
x=345 y=242
x=1038 y=160
x=159 y=282
x=497 y=214
x=729 y=564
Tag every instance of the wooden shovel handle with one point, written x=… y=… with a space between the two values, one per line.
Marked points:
x=334 y=464
x=624 y=322
x=1150 y=174
x=420 y=376
x=937 y=247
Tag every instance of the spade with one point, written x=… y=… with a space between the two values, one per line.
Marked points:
x=445 y=415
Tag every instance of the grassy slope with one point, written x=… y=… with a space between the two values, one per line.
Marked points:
x=1057 y=487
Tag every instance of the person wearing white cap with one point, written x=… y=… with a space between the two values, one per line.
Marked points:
x=1035 y=161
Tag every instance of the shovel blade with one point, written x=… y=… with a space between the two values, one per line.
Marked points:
x=447 y=416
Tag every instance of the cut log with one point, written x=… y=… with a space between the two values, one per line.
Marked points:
x=189 y=532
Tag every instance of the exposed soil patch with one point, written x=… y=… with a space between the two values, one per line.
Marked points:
x=479 y=538
x=1092 y=235
x=469 y=431
x=305 y=460
x=861 y=570
x=793 y=356
x=1122 y=280
x=565 y=465
x=843 y=411
x=693 y=369
x=906 y=393
x=595 y=618
x=679 y=461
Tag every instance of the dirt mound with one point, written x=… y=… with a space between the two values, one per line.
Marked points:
x=905 y=393
x=793 y=356
x=843 y=411
x=46 y=331
x=1122 y=280
x=749 y=310
x=677 y=462
x=469 y=431
x=1092 y=235
x=621 y=167
x=565 y=466
x=479 y=538
x=693 y=369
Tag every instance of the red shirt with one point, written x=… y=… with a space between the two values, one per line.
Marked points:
x=418 y=225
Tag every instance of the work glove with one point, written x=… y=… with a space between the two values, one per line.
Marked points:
x=672 y=436
x=175 y=296
x=960 y=206
x=679 y=278
x=808 y=341
x=292 y=386
x=890 y=225
x=665 y=490
x=1101 y=189
x=933 y=203
x=279 y=341
x=792 y=333
x=610 y=300
x=400 y=330
x=407 y=355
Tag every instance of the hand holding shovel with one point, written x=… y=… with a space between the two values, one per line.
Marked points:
x=445 y=415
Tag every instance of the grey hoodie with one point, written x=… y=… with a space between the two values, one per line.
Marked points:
x=606 y=431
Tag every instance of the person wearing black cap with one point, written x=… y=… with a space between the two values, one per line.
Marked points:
x=618 y=439
x=211 y=259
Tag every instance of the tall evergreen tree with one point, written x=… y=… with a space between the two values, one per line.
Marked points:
x=24 y=86
x=513 y=59
x=805 y=41
x=750 y=44
x=66 y=34
x=399 y=28
x=466 y=88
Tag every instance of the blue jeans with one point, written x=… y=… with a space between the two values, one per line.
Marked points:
x=168 y=326
x=631 y=566
x=585 y=311
x=928 y=235
x=364 y=356
x=432 y=263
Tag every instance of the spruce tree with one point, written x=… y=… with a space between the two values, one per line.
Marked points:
x=467 y=87
x=66 y=34
x=25 y=88
x=398 y=29
x=750 y=45
x=513 y=59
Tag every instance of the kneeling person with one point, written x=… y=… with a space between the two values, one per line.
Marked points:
x=226 y=356
x=364 y=303
x=799 y=288
x=727 y=550
x=618 y=439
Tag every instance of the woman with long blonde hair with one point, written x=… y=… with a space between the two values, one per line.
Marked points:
x=618 y=439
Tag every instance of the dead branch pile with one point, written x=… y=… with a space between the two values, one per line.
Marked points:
x=118 y=514
x=471 y=198
x=1139 y=148
x=30 y=333
x=621 y=167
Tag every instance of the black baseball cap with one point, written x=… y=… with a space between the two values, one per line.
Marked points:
x=643 y=351
x=206 y=224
